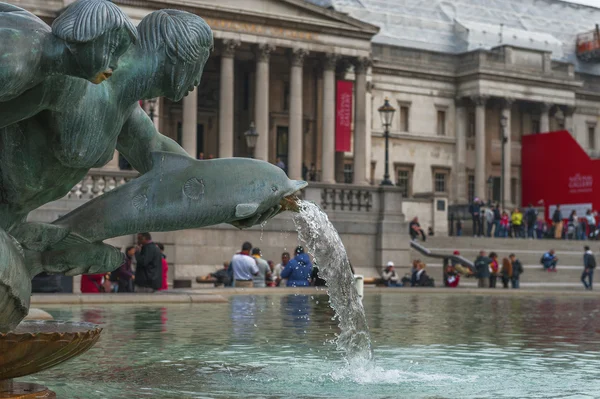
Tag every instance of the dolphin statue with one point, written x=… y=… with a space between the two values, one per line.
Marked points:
x=179 y=193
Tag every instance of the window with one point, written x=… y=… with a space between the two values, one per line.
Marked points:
x=440 y=180
x=441 y=123
x=471 y=130
x=282 y=145
x=535 y=126
x=471 y=187
x=348 y=172
x=404 y=118
x=404 y=179
x=592 y=137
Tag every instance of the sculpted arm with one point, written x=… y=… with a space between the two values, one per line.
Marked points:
x=139 y=138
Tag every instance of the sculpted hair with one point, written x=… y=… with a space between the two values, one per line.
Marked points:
x=86 y=20
x=186 y=37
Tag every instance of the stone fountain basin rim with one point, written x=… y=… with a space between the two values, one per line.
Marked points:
x=37 y=328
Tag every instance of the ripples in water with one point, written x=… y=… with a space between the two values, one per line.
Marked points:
x=426 y=346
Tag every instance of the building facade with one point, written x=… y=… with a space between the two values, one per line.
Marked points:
x=451 y=70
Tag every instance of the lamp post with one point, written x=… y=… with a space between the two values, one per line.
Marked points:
x=151 y=107
x=386 y=112
x=251 y=136
x=503 y=123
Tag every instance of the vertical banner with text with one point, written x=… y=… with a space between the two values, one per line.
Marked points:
x=343 y=115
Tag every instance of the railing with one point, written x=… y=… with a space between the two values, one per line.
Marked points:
x=100 y=181
x=346 y=199
x=447 y=257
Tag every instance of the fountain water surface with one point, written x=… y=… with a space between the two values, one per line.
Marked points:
x=323 y=242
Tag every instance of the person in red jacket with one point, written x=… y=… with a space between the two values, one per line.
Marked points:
x=165 y=268
x=92 y=283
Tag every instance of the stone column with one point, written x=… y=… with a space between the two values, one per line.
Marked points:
x=480 y=169
x=506 y=108
x=360 y=122
x=461 y=152
x=569 y=125
x=189 y=125
x=328 y=150
x=295 y=128
x=545 y=117
x=261 y=99
x=226 y=105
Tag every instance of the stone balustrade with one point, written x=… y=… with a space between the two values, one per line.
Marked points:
x=100 y=181
x=343 y=197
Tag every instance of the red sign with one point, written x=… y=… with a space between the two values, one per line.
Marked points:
x=556 y=170
x=343 y=116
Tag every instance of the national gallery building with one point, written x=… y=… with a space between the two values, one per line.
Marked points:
x=467 y=78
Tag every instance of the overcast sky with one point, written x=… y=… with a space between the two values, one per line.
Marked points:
x=595 y=3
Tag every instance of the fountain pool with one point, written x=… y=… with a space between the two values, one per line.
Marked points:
x=425 y=346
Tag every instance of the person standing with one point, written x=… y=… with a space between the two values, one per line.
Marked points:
x=517 y=223
x=475 y=210
x=285 y=258
x=506 y=272
x=124 y=275
x=557 y=223
x=589 y=264
x=591 y=222
x=494 y=269
x=482 y=270
x=517 y=270
x=244 y=267
x=489 y=218
x=164 y=268
x=531 y=219
x=497 y=218
x=298 y=270
x=148 y=272
x=264 y=271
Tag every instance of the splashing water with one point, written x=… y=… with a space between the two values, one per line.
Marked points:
x=324 y=244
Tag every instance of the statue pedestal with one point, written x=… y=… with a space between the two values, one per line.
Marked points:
x=23 y=390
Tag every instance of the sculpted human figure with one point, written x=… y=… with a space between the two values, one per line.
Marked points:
x=32 y=51
x=79 y=126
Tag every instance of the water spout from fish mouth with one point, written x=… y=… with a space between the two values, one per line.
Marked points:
x=290 y=203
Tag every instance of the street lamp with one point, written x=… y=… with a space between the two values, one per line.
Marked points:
x=151 y=107
x=386 y=112
x=251 y=136
x=503 y=124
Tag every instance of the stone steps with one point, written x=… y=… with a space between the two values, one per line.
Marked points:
x=529 y=252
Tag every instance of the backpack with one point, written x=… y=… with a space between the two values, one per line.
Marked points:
x=542 y=259
x=592 y=262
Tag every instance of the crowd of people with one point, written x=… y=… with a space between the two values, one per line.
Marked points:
x=248 y=269
x=151 y=271
x=492 y=221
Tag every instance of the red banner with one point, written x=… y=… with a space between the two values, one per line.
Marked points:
x=343 y=116
x=556 y=170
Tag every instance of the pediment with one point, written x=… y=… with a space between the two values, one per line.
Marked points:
x=289 y=13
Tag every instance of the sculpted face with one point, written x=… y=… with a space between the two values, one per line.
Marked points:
x=182 y=78
x=99 y=58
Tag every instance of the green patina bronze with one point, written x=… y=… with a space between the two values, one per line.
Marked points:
x=54 y=132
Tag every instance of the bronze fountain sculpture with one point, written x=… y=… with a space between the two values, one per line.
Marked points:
x=69 y=96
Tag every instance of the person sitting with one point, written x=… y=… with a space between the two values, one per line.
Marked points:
x=421 y=278
x=459 y=268
x=297 y=271
x=452 y=278
x=390 y=277
x=549 y=261
x=414 y=229
x=220 y=278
